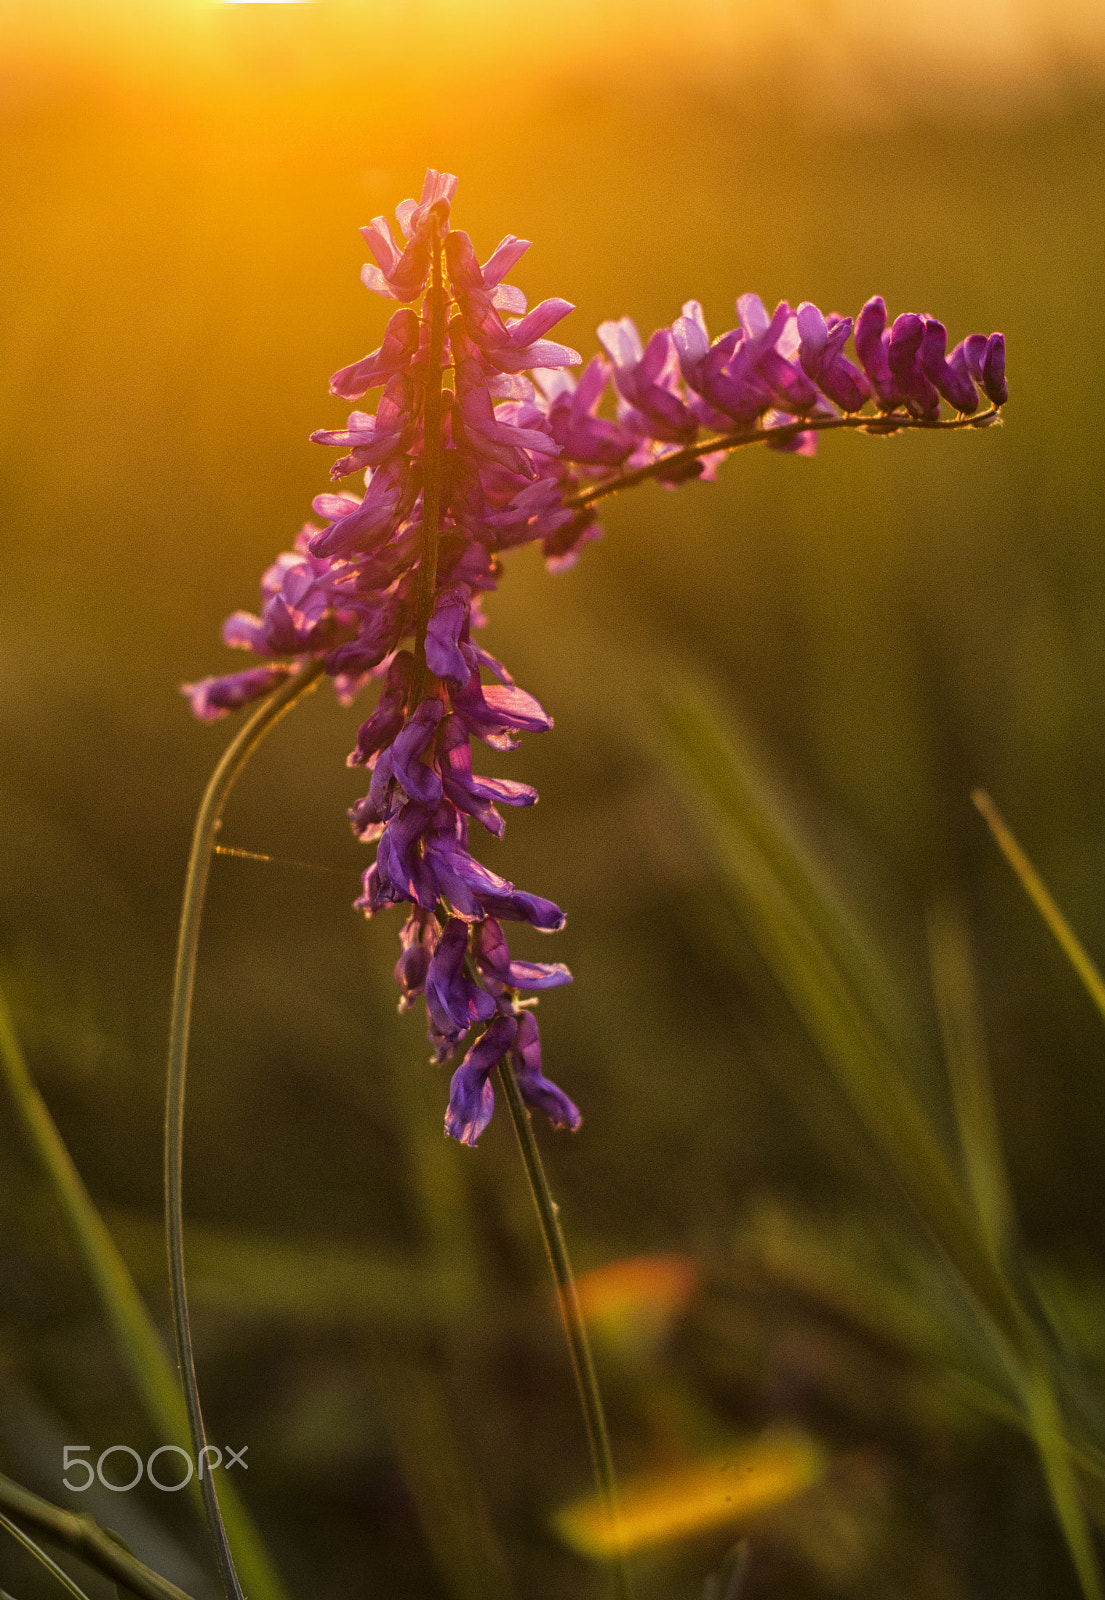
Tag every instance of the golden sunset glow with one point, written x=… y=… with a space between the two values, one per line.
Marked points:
x=855 y=57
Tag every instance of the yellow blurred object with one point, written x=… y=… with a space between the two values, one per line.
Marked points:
x=728 y=1488
x=630 y=1305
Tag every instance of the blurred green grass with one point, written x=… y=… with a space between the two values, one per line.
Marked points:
x=891 y=624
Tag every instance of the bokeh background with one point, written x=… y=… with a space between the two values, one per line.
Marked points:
x=885 y=627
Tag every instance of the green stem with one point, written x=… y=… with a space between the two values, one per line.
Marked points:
x=895 y=422
x=431 y=472
x=195 y=886
x=88 y=1541
x=579 y=1345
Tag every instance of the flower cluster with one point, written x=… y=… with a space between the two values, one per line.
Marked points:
x=513 y=451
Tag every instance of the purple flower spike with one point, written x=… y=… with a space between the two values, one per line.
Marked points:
x=521 y=455
x=471 y=1097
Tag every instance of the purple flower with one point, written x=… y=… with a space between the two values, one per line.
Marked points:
x=872 y=338
x=648 y=381
x=581 y=435
x=448 y=621
x=903 y=355
x=951 y=378
x=508 y=346
x=360 y=526
x=492 y=957
x=417 y=938
x=536 y=1090
x=495 y=713
x=387 y=720
x=471 y=1097
x=454 y=1001
x=476 y=796
x=394 y=355
x=372 y=440
x=984 y=361
x=401 y=764
x=821 y=353
x=212 y=698
x=402 y=275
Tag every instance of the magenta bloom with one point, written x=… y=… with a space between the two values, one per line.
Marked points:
x=480 y=441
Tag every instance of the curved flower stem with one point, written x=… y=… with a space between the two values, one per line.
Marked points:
x=892 y=422
x=579 y=1345
x=195 y=886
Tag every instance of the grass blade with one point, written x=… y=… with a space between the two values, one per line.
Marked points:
x=1038 y=892
x=955 y=992
x=131 y=1324
x=976 y=1116
x=817 y=958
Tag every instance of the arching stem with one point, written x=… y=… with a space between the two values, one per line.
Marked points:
x=893 y=422
x=195 y=887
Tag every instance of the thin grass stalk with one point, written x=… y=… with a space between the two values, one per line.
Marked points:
x=1038 y=892
x=579 y=1346
x=195 y=886
x=68 y=1584
x=958 y=1012
x=86 y=1540
x=132 y=1327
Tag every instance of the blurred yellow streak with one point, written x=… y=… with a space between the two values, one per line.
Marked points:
x=724 y=1490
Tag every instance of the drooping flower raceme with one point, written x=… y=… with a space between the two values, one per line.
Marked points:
x=387 y=584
